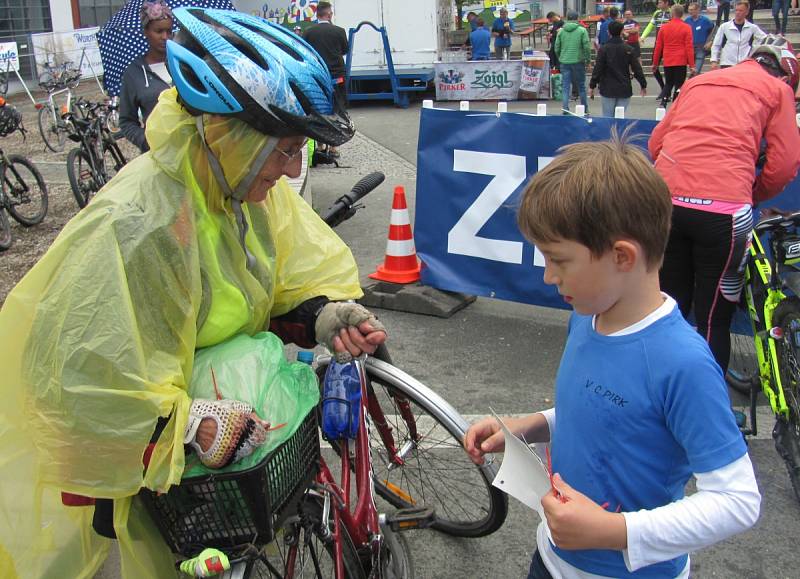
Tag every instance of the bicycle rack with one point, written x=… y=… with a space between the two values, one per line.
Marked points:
x=399 y=92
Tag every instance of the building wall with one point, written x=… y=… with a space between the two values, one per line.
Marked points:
x=61 y=15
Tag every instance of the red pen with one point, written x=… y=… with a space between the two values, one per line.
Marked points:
x=556 y=492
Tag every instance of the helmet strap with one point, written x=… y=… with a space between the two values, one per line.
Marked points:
x=236 y=203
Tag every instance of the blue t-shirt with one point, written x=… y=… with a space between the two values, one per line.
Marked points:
x=602 y=32
x=480 y=39
x=499 y=26
x=701 y=28
x=636 y=415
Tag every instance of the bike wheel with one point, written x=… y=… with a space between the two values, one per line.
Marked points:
x=742 y=374
x=787 y=428
x=5 y=231
x=395 y=562
x=82 y=178
x=54 y=134
x=436 y=471
x=25 y=191
x=306 y=531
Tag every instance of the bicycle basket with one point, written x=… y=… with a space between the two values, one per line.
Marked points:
x=230 y=510
x=10 y=120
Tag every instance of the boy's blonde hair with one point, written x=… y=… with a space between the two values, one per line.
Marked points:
x=597 y=193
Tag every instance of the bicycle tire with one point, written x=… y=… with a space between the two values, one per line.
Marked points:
x=395 y=563
x=5 y=231
x=16 y=199
x=82 y=178
x=742 y=375
x=787 y=429
x=306 y=528
x=419 y=483
x=53 y=135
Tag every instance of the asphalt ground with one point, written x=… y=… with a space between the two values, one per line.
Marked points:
x=505 y=355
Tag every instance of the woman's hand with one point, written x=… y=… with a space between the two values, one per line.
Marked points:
x=359 y=339
x=482 y=437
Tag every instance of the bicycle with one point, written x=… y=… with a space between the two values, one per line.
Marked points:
x=330 y=527
x=768 y=361
x=23 y=192
x=98 y=157
x=56 y=80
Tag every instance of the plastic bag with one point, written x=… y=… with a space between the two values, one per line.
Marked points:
x=253 y=369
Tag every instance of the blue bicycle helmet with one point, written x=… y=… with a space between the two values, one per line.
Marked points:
x=230 y=63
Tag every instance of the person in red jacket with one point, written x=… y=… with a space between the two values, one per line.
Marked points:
x=674 y=46
x=707 y=155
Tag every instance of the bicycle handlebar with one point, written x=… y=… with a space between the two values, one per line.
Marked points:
x=344 y=208
x=791 y=220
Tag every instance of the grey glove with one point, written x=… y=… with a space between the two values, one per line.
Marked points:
x=337 y=315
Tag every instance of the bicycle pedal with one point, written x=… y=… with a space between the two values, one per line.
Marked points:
x=412 y=518
x=398 y=492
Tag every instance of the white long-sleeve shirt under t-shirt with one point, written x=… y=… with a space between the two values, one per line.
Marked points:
x=727 y=502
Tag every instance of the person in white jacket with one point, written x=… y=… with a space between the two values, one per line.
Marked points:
x=734 y=39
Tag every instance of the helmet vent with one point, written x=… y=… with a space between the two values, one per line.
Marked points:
x=302 y=99
x=275 y=41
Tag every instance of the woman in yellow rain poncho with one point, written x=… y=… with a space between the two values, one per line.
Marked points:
x=191 y=244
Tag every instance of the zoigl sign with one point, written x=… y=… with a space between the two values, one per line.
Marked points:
x=9 y=56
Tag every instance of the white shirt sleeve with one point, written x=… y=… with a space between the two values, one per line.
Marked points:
x=550 y=416
x=727 y=502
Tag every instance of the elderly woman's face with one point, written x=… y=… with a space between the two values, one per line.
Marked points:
x=286 y=159
x=157 y=33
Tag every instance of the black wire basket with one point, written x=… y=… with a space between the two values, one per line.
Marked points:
x=232 y=510
x=10 y=120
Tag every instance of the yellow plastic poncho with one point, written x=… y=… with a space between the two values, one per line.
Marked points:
x=97 y=340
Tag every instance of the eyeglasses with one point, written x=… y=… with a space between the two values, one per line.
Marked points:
x=289 y=157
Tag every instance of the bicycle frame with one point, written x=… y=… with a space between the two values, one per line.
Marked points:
x=51 y=104
x=760 y=270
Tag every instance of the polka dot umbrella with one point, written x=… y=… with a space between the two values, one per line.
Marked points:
x=121 y=40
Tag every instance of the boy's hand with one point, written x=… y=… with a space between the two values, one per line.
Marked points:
x=482 y=437
x=577 y=522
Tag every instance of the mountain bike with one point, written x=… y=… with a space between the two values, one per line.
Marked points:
x=57 y=80
x=98 y=157
x=408 y=448
x=768 y=361
x=23 y=192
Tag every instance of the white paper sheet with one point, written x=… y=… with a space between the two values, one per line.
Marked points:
x=522 y=474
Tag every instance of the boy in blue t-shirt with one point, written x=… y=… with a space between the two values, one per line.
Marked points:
x=479 y=39
x=640 y=404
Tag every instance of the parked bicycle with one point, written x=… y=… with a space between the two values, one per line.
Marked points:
x=23 y=192
x=408 y=449
x=98 y=157
x=768 y=361
x=57 y=80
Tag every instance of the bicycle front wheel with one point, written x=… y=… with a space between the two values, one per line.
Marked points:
x=304 y=548
x=787 y=428
x=83 y=179
x=742 y=374
x=54 y=134
x=25 y=191
x=433 y=470
x=5 y=231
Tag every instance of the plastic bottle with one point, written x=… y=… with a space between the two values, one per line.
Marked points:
x=341 y=400
x=306 y=357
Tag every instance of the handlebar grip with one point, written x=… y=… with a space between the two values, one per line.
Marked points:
x=343 y=207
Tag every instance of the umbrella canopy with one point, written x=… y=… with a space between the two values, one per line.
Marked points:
x=121 y=40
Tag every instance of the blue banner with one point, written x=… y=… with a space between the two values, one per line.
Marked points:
x=471 y=169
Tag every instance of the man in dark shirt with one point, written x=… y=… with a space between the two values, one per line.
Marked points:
x=331 y=43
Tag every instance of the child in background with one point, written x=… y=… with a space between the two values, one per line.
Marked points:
x=640 y=403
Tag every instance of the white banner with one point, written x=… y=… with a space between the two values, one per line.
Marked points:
x=493 y=79
x=58 y=47
x=9 y=54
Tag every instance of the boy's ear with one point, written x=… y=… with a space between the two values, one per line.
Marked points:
x=626 y=254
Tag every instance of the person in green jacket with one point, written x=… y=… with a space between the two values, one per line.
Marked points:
x=572 y=49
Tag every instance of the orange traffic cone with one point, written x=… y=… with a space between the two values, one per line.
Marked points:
x=400 y=264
